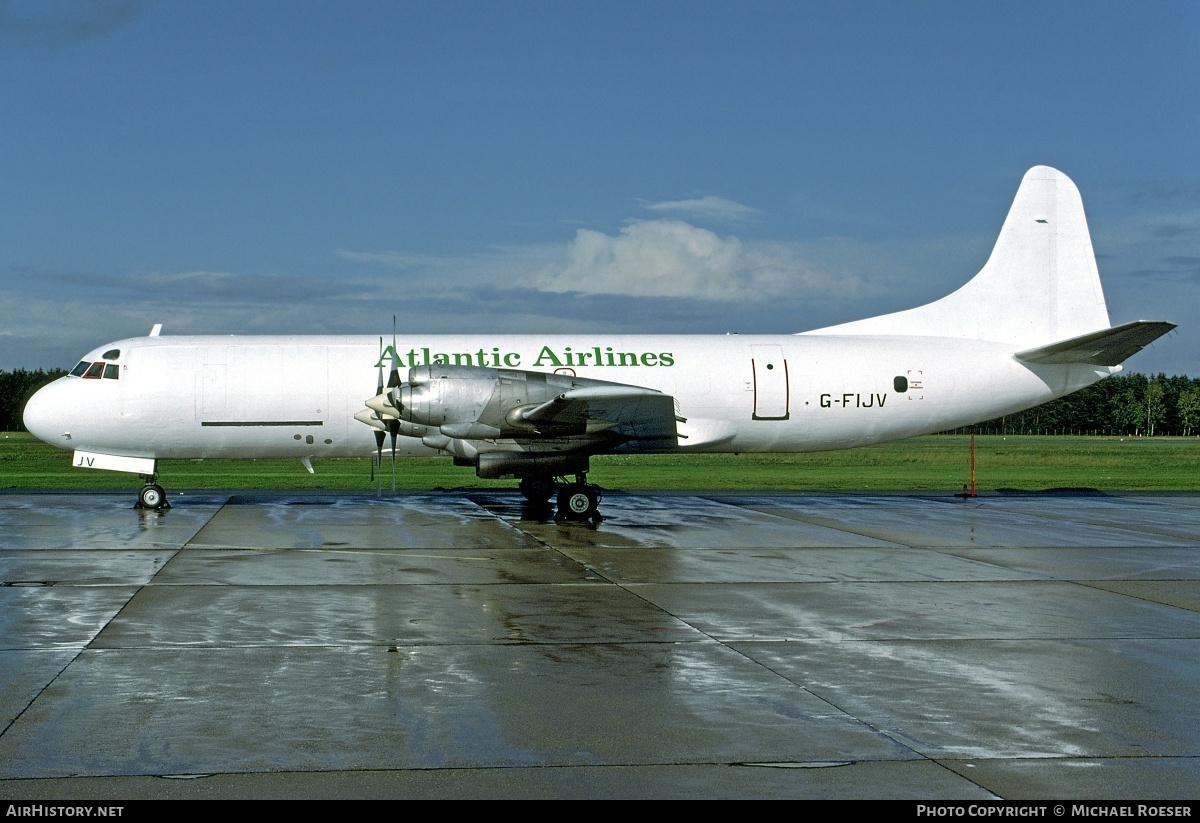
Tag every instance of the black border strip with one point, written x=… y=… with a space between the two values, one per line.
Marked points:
x=262 y=423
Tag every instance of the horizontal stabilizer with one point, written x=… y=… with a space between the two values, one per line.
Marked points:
x=1102 y=348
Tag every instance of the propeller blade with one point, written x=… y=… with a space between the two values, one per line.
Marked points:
x=393 y=430
x=379 y=382
x=380 y=435
x=394 y=377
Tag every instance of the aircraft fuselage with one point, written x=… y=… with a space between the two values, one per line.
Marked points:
x=296 y=396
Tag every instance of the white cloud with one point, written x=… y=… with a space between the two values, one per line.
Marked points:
x=708 y=207
x=210 y=280
x=390 y=259
x=671 y=258
x=653 y=258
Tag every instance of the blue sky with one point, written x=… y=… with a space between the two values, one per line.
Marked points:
x=698 y=167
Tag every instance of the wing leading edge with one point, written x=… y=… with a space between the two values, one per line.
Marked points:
x=631 y=412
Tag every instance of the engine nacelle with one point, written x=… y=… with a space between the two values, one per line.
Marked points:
x=497 y=465
x=434 y=395
x=474 y=402
x=444 y=405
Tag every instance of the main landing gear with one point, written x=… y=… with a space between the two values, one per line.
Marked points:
x=576 y=501
x=152 y=496
x=537 y=489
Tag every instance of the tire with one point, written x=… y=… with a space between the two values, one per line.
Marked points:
x=152 y=496
x=537 y=489
x=577 y=502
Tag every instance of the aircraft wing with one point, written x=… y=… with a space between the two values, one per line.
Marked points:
x=1108 y=347
x=631 y=412
x=543 y=412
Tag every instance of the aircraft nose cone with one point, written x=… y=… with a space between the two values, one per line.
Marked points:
x=44 y=418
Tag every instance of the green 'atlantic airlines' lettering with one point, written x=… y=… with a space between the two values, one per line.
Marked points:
x=547 y=357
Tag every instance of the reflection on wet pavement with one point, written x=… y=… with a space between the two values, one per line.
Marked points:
x=459 y=643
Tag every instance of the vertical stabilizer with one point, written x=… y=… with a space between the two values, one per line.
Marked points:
x=1039 y=285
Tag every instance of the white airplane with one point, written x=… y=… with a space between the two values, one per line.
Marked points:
x=1030 y=327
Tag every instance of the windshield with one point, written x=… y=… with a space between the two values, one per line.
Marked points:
x=99 y=369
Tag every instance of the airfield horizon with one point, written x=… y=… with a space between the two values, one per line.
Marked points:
x=928 y=463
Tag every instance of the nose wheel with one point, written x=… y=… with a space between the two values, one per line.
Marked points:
x=152 y=496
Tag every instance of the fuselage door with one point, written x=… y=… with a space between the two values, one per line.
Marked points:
x=770 y=382
x=212 y=386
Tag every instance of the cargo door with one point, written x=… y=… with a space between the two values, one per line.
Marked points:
x=770 y=382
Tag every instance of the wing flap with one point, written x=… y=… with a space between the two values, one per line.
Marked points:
x=573 y=404
x=1108 y=347
x=632 y=412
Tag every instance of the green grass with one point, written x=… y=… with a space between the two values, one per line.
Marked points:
x=938 y=463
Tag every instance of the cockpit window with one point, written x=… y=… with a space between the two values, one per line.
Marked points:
x=95 y=370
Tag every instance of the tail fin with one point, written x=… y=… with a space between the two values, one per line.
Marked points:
x=1039 y=285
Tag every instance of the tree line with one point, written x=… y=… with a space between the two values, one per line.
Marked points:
x=1125 y=404
x=16 y=387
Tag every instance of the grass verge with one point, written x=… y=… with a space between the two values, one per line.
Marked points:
x=933 y=463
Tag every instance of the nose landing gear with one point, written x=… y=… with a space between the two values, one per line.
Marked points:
x=152 y=496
